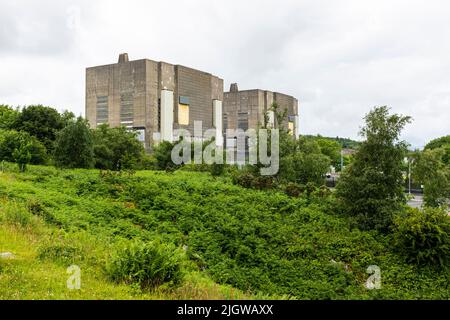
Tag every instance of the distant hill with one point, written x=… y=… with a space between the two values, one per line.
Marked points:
x=344 y=142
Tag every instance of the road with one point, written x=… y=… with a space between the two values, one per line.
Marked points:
x=417 y=202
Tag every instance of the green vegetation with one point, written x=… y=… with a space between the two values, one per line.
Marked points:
x=147 y=264
x=444 y=143
x=424 y=236
x=371 y=188
x=199 y=231
x=264 y=243
x=430 y=169
x=74 y=147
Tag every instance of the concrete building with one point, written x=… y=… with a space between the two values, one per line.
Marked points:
x=244 y=109
x=153 y=97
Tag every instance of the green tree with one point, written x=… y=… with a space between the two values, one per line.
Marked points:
x=22 y=155
x=41 y=122
x=444 y=143
x=8 y=117
x=304 y=162
x=116 y=148
x=371 y=187
x=10 y=140
x=67 y=117
x=430 y=169
x=424 y=236
x=74 y=147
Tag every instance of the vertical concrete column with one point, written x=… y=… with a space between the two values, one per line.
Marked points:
x=271 y=120
x=167 y=115
x=297 y=128
x=218 y=122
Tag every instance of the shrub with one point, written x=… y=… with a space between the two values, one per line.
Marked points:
x=21 y=143
x=217 y=169
x=147 y=264
x=424 y=236
x=14 y=213
x=244 y=179
x=74 y=146
x=65 y=253
x=294 y=189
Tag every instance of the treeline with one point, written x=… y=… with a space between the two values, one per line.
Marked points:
x=38 y=134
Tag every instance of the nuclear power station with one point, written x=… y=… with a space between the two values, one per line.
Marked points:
x=156 y=98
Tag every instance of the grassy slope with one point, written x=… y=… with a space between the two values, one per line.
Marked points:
x=260 y=242
x=31 y=276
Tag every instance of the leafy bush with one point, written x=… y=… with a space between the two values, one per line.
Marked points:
x=74 y=146
x=12 y=142
x=147 y=264
x=14 y=213
x=294 y=189
x=424 y=236
x=116 y=148
x=62 y=252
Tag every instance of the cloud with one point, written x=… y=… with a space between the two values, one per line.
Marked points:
x=339 y=58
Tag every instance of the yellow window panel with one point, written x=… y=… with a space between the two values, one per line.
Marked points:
x=183 y=114
x=291 y=127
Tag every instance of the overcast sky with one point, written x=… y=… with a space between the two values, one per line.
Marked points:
x=339 y=58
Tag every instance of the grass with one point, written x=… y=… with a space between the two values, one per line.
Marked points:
x=39 y=269
x=241 y=244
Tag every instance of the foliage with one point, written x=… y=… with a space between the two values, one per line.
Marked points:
x=260 y=242
x=424 y=236
x=329 y=147
x=430 y=169
x=41 y=122
x=443 y=142
x=74 y=146
x=11 y=140
x=147 y=264
x=116 y=148
x=371 y=187
x=8 y=117
x=22 y=156
x=163 y=155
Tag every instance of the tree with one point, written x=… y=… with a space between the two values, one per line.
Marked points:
x=116 y=148
x=74 y=147
x=304 y=163
x=371 y=187
x=444 y=143
x=22 y=155
x=41 y=122
x=430 y=169
x=11 y=140
x=329 y=147
x=423 y=236
x=8 y=117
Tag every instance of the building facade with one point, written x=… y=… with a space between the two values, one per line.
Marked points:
x=247 y=109
x=154 y=98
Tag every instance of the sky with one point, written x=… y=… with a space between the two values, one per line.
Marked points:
x=338 y=58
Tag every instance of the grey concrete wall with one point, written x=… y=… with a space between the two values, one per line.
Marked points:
x=143 y=80
x=256 y=103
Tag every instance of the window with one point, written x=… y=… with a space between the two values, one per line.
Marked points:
x=291 y=127
x=242 y=121
x=183 y=114
x=102 y=110
x=159 y=114
x=225 y=122
x=126 y=109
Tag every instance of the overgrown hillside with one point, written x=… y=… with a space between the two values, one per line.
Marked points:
x=263 y=243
